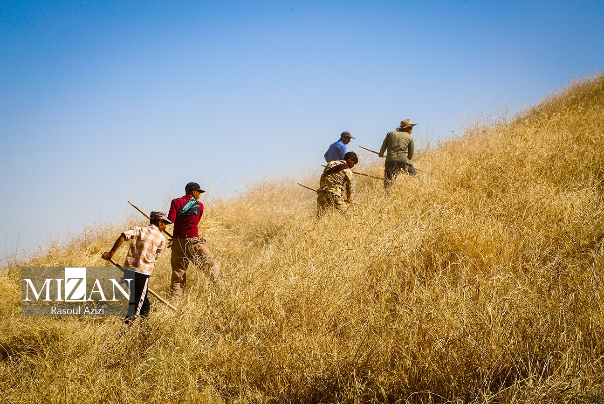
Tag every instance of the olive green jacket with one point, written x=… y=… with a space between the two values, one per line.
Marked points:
x=400 y=147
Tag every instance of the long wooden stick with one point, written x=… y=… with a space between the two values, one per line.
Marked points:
x=357 y=173
x=312 y=189
x=137 y=208
x=373 y=151
x=147 y=216
x=302 y=185
x=367 y=175
x=149 y=289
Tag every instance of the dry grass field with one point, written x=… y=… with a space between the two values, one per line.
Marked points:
x=479 y=281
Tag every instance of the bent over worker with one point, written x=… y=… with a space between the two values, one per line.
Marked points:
x=400 y=146
x=187 y=246
x=146 y=247
x=336 y=180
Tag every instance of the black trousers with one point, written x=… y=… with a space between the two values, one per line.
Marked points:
x=139 y=307
x=392 y=169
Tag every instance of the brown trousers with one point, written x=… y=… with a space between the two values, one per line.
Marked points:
x=191 y=249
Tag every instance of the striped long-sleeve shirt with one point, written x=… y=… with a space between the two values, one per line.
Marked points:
x=145 y=248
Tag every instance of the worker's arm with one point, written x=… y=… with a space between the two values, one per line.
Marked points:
x=160 y=249
x=109 y=254
x=384 y=147
x=348 y=181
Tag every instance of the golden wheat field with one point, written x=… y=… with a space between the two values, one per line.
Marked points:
x=479 y=281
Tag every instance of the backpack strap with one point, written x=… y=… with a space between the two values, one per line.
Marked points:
x=191 y=208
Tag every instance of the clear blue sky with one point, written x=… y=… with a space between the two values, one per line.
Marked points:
x=107 y=101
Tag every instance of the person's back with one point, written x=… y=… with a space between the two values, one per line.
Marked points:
x=186 y=213
x=336 y=180
x=146 y=246
x=336 y=176
x=400 y=147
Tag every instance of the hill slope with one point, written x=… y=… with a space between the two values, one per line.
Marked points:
x=480 y=280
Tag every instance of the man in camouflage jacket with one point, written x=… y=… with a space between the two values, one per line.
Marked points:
x=336 y=180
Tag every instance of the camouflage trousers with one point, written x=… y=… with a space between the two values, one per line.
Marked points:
x=325 y=200
x=193 y=249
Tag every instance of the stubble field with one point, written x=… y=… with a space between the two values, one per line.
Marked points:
x=478 y=281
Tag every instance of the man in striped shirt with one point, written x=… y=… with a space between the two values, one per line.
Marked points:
x=146 y=247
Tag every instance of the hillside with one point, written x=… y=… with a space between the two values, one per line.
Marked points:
x=478 y=281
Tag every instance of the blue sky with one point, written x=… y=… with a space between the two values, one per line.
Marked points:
x=107 y=101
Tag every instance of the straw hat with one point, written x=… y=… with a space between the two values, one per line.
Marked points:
x=407 y=122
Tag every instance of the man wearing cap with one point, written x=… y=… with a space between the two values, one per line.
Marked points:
x=336 y=179
x=399 y=144
x=337 y=150
x=145 y=249
x=187 y=246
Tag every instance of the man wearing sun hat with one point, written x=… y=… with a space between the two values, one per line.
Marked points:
x=400 y=147
x=337 y=150
x=187 y=246
x=146 y=247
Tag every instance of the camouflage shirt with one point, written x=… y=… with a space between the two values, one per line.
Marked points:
x=335 y=181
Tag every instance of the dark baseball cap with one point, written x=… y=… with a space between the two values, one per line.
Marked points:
x=193 y=186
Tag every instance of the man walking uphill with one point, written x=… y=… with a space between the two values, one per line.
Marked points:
x=145 y=249
x=186 y=212
x=400 y=146
x=336 y=178
x=337 y=150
